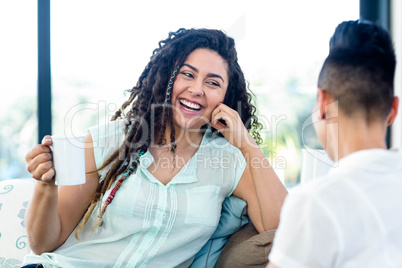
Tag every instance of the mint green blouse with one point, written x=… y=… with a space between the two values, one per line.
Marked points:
x=149 y=224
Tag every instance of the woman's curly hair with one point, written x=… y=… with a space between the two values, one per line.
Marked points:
x=147 y=97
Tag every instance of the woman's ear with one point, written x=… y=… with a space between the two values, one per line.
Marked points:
x=394 y=111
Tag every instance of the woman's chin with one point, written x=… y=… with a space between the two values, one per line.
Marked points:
x=193 y=123
x=189 y=126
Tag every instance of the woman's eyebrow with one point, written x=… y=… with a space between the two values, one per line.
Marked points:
x=208 y=75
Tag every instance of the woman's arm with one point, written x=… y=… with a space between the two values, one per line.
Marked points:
x=259 y=186
x=262 y=190
x=54 y=211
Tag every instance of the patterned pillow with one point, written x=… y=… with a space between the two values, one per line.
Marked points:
x=14 y=197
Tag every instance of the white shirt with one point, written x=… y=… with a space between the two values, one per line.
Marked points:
x=149 y=224
x=350 y=218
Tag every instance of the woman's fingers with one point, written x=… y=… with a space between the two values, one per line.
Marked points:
x=47 y=140
x=222 y=121
x=37 y=150
x=223 y=116
x=40 y=167
x=233 y=128
x=37 y=155
x=230 y=125
x=40 y=161
x=48 y=176
x=41 y=170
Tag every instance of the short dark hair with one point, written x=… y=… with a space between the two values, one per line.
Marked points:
x=359 y=70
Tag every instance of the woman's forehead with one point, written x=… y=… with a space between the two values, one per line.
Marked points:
x=207 y=60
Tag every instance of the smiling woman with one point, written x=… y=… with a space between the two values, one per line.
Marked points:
x=144 y=192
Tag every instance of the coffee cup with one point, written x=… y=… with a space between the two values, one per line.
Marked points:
x=69 y=159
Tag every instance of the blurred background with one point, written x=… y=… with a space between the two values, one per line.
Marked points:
x=99 y=48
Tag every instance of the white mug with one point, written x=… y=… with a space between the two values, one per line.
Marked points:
x=69 y=159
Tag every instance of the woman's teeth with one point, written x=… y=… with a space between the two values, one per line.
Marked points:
x=190 y=106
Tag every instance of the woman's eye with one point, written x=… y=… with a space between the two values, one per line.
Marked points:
x=213 y=83
x=189 y=75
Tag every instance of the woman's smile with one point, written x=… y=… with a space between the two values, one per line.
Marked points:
x=190 y=107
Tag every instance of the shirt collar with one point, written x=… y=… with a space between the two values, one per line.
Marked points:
x=188 y=174
x=370 y=159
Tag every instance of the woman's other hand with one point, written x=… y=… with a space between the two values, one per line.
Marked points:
x=40 y=161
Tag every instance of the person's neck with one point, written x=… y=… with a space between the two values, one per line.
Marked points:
x=357 y=134
x=183 y=139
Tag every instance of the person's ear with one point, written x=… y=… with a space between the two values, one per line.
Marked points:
x=394 y=111
x=321 y=102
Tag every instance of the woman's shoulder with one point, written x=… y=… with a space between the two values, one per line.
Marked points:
x=106 y=139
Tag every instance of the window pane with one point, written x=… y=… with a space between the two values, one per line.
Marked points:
x=99 y=49
x=18 y=72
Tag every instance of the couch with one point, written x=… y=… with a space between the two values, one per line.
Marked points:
x=14 y=198
x=235 y=242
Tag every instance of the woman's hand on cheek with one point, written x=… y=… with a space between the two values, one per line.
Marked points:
x=229 y=123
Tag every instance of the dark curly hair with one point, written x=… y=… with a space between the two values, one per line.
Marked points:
x=149 y=94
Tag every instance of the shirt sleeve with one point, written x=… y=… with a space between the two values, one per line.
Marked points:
x=308 y=234
x=106 y=139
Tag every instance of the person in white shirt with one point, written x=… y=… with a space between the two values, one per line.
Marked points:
x=160 y=171
x=352 y=216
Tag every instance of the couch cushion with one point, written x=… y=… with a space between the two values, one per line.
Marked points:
x=247 y=248
x=14 y=197
x=233 y=217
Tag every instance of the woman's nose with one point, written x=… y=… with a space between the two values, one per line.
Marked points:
x=196 y=89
